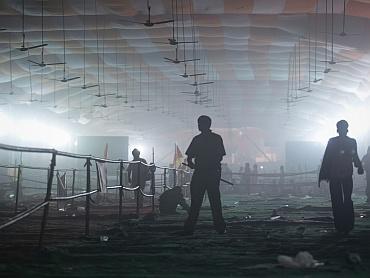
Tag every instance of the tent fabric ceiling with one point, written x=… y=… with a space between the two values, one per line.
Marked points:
x=247 y=48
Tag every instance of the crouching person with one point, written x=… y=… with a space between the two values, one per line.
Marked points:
x=170 y=199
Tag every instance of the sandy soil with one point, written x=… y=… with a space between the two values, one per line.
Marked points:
x=152 y=246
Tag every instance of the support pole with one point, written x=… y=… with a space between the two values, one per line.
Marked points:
x=165 y=179
x=47 y=198
x=87 y=205
x=120 y=190
x=73 y=187
x=138 y=193
x=152 y=189
x=174 y=177
x=19 y=175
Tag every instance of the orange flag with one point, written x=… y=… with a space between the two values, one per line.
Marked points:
x=178 y=158
x=106 y=151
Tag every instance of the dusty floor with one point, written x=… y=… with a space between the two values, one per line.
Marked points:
x=153 y=247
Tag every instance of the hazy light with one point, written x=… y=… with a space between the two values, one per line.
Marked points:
x=5 y=125
x=356 y=118
x=33 y=132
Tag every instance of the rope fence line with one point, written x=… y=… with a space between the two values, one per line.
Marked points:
x=48 y=198
x=23 y=215
x=275 y=175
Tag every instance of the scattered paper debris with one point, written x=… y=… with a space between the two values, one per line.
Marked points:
x=104 y=238
x=301 y=260
x=354 y=258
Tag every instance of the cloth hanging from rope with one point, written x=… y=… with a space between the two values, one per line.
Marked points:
x=61 y=185
x=102 y=176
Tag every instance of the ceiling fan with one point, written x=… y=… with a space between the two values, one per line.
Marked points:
x=103 y=77
x=177 y=61
x=331 y=61
x=42 y=63
x=149 y=22
x=343 y=33
x=85 y=86
x=65 y=79
x=315 y=80
x=23 y=46
x=2 y=29
x=175 y=40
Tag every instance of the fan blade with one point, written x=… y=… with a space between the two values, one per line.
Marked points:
x=197 y=74
x=187 y=42
x=89 y=86
x=162 y=22
x=132 y=21
x=205 y=83
x=299 y=97
x=171 y=60
x=342 y=34
x=36 y=63
x=339 y=62
x=69 y=79
x=166 y=43
x=2 y=29
x=36 y=46
x=202 y=83
x=190 y=60
x=53 y=64
x=316 y=80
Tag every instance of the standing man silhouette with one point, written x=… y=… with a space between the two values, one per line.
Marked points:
x=207 y=149
x=138 y=174
x=337 y=168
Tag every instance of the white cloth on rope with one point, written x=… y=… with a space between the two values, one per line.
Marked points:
x=61 y=185
x=102 y=176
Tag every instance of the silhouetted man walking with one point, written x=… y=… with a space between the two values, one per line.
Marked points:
x=337 y=168
x=207 y=149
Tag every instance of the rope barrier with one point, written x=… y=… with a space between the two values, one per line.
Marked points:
x=92 y=192
x=74 y=196
x=276 y=175
x=144 y=194
x=88 y=191
x=23 y=215
x=79 y=156
x=24 y=167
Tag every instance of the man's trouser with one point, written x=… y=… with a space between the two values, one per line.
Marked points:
x=340 y=192
x=201 y=181
x=368 y=185
x=139 y=196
